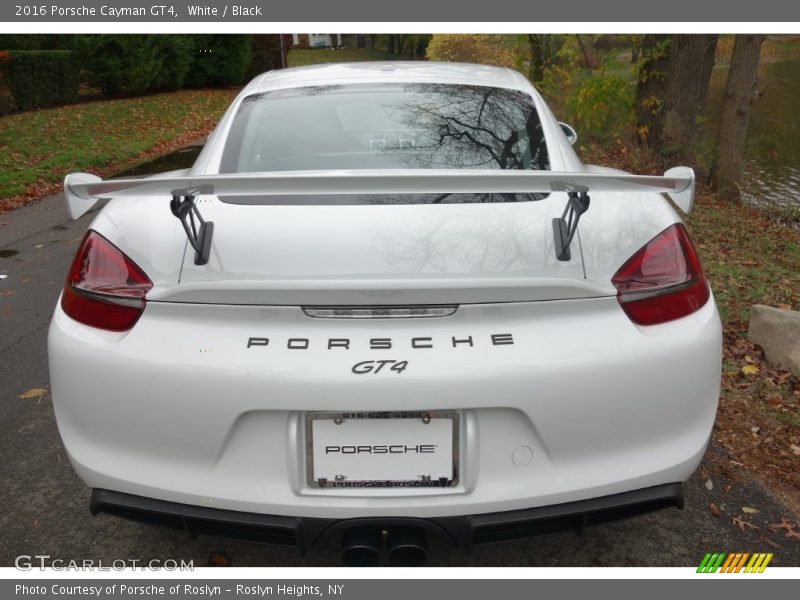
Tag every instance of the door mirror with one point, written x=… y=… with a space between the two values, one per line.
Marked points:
x=572 y=135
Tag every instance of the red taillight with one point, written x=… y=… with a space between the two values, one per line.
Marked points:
x=663 y=281
x=104 y=288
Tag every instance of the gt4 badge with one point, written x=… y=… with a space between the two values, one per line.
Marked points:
x=376 y=366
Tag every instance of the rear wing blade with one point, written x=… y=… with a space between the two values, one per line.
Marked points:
x=82 y=190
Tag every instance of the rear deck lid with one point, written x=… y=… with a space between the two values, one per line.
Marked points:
x=407 y=249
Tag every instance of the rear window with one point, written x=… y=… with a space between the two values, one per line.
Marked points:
x=385 y=126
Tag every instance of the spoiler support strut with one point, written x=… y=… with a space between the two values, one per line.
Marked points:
x=198 y=230
x=565 y=227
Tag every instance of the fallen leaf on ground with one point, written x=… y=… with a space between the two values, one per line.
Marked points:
x=795 y=449
x=771 y=543
x=218 y=560
x=742 y=524
x=33 y=393
x=749 y=510
x=715 y=510
x=750 y=370
x=793 y=534
x=775 y=400
x=784 y=524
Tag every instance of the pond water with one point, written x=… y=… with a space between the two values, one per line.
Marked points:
x=772 y=157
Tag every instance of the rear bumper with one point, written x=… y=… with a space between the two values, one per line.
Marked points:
x=305 y=533
x=181 y=410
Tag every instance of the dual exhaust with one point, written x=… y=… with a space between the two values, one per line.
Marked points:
x=404 y=546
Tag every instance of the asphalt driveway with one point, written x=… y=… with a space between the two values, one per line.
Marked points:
x=44 y=506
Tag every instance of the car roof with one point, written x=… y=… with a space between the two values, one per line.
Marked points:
x=380 y=71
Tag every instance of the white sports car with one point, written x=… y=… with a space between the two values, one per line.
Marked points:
x=387 y=300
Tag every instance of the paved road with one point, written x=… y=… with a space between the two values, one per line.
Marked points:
x=43 y=505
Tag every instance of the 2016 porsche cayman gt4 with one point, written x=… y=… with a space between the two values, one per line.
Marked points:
x=387 y=299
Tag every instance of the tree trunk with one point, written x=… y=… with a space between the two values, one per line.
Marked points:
x=651 y=87
x=687 y=83
x=709 y=58
x=736 y=108
x=636 y=47
x=542 y=54
x=536 y=55
x=589 y=58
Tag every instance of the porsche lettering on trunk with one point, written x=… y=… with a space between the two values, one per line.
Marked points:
x=384 y=343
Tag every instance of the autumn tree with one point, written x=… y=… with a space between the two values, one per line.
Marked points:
x=636 y=47
x=487 y=49
x=690 y=63
x=542 y=53
x=737 y=106
x=674 y=74
x=590 y=60
x=651 y=86
x=707 y=66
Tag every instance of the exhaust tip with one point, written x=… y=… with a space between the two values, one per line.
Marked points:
x=361 y=547
x=407 y=547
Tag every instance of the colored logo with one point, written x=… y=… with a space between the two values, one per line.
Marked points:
x=735 y=562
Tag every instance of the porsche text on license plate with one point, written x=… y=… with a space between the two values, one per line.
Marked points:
x=382 y=449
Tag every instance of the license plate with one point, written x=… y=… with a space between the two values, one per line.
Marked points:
x=382 y=449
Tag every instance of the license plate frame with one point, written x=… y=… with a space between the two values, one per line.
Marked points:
x=384 y=416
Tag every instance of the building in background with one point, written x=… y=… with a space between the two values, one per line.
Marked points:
x=329 y=40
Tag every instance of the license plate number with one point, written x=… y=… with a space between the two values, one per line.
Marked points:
x=382 y=449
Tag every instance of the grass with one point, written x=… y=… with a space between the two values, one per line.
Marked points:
x=38 y=148
x=751 y=259
x=313 y=56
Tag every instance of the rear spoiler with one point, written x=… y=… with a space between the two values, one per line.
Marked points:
x=82 y=190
